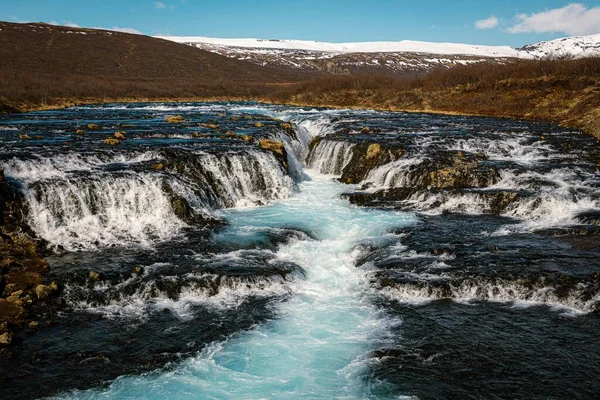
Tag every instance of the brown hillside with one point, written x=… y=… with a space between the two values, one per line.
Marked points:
x=40 y=63
x=564 y=91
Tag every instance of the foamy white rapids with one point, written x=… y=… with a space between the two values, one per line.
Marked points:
x=393 y=174
x=102 y=211
x=42 y=168
x=247 y=179
x=318 y=346
x=232 y=293
x=497 y=291
x=560 y=195
x=330 y=157
x=507 y=148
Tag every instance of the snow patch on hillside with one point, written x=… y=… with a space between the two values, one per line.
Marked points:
x=358 y=47
x=575 y=46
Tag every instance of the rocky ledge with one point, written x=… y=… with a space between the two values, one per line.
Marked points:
x=27 y=300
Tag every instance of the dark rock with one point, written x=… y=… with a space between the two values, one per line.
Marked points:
x=182 y=209
x=365 y=157
x=589 y=218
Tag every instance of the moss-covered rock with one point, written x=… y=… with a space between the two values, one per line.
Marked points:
x=21 y=269
x=120 y=135
x=373 y=151
x=365 y=157
x=464 y=173
x=174 y=119
x=210 y=126
x=277 y=148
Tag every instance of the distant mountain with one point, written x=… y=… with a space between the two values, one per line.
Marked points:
x=404 y=58
x=576 y=46
x=404 y=46
x=393 y=58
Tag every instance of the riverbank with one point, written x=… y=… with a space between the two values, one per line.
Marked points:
x=526 y=100
x=565 y=92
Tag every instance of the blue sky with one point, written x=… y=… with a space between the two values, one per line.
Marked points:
x=509 y=22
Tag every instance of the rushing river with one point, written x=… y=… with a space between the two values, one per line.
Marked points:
x=461 y=261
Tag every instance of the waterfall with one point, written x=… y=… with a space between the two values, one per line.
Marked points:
x=244 y=179
x=99 y=211
x=330 y=157
x=78 y=202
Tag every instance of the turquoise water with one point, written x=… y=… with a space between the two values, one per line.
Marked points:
x=317 y=346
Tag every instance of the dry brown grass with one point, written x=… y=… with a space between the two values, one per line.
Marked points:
x=560 y=90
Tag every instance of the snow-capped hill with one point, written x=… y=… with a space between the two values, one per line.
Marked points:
x=575 y=46
x=401 y=58
x=409 y=46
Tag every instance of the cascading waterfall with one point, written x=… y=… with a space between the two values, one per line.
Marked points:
x=296 y=293
x=330 y=157
x=77 y=202
x=394 y=174
x=317 y=345
x=246 y=179
x=101 y=211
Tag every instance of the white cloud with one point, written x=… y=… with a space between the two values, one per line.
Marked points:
x=159 y=5
x=124 y=30
x=488 y=23
x=572 y=19
x=71 y=24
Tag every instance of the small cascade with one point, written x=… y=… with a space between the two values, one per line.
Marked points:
x=78 y=202
x=580 y=295
x=239 y=179
x=101 y=211
x=220 y=281
x=330 y=157
x=394 y=174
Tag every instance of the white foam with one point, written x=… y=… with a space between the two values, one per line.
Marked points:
x=507 y=148
x=495 y=291
x=101 y=212
x=60 y=167
x=330 y=157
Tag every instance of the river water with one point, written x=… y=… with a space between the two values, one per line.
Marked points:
x=272 y=284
